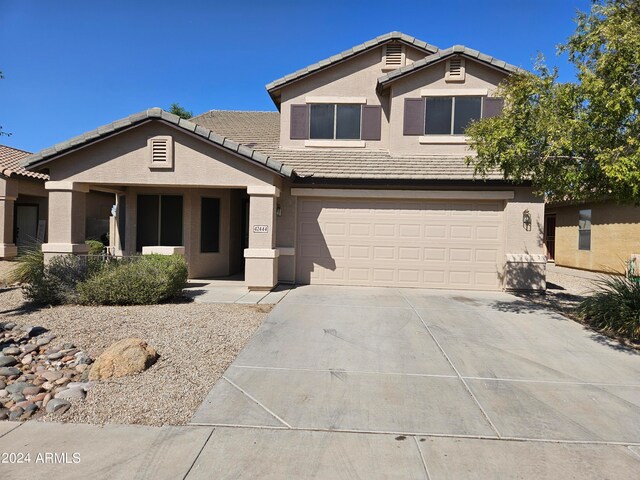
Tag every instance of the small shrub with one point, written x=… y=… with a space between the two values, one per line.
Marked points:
x=615 y=308
x=29 y=266
x=95 y=247
x=145 y=280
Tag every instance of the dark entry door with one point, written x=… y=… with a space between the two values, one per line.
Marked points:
x=26 y=225
x=550 y=236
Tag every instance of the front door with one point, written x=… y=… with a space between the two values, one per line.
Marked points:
x=550 y=236
x=26 y=226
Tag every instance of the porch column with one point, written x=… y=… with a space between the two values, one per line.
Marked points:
x=8 y=195
x=67 y=217
x=261 y=258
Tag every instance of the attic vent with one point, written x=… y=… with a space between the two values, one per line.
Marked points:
x=161 y=151
x=393 y=56
x=455 y=70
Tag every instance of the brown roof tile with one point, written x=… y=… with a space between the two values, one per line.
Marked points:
x=261 y=131
x=10 y=163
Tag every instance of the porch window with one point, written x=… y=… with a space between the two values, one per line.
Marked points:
x=584 y=230
x=210 y=225
x=159 y=221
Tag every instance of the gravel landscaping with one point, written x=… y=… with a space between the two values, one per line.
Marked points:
x=195 y=343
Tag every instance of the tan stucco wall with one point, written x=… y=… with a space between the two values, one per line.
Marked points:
x=433 y=77
x=286 y=234
x=615 y=235
x=355 y=77
x=124 y=160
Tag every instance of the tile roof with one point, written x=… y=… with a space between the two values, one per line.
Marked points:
x=387 y=37
x=443 y=54
x=156 y=114
x=261 y=130
x=10 y=159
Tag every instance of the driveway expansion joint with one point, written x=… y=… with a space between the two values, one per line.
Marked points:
x=424 y=463
x=466 y=386
x=195 y=460
x=425 y=434
x=253 y=399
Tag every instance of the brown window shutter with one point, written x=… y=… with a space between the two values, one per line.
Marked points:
x=492 y=107
x=299 y=122
x=371 y=122
x=413 y=116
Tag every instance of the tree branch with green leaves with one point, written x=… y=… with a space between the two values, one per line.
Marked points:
x=579 y=140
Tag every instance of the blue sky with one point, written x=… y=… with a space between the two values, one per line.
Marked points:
x=73 y=65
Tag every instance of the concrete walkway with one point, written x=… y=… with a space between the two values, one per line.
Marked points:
x=374 y=383
x=233 y=290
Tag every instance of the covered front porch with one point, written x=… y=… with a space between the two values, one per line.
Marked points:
x=174 y=184
x=209 y=225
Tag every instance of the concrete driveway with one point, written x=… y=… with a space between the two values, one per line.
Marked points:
x=350 y=382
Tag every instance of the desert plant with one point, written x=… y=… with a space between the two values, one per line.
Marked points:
x=614 y=308
x=29 y=266
x=96 y=247
x=146 y=280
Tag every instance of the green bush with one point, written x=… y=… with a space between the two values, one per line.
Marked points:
x=615 y=308
x=144 y=280
x=96 y=247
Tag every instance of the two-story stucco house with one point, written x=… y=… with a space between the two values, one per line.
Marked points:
x=358 y=179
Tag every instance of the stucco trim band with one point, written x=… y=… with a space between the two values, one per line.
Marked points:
x=261 y=253
x=408 y=194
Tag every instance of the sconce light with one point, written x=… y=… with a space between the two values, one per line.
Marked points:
x=526 y=220
x=278 y=210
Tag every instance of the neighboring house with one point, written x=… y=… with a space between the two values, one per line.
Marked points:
x=23 y=203
x=360 y=179
x=24 y=206
x=592 y=236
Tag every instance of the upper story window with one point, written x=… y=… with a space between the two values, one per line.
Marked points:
x=442 y=115
x=334 y=121
x=451 y=115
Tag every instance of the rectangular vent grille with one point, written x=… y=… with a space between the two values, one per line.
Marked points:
x=455 y=67
x=159 y=150
x=393 y=55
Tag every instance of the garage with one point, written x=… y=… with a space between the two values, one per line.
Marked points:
x=406 y=243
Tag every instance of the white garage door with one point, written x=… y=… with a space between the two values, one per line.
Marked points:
x=426 y=243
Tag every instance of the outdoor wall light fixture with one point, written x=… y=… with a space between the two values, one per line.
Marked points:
x=526 y=220
x=278 y=210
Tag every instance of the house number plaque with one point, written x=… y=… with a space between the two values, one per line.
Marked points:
x=261 y=229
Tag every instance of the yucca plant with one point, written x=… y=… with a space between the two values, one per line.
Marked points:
x=29 y=266
x=614 y=308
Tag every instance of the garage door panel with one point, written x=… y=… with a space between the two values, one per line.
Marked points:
x=400 y=243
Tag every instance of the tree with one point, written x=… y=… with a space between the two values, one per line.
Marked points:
x=176 y=109
x=575 y=140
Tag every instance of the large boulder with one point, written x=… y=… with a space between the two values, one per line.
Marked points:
x=127 y=356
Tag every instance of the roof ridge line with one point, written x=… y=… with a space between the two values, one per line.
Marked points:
x=158 y=114
x=357 y=49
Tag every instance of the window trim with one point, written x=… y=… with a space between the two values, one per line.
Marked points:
x=427 y=135
x=581 y=247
